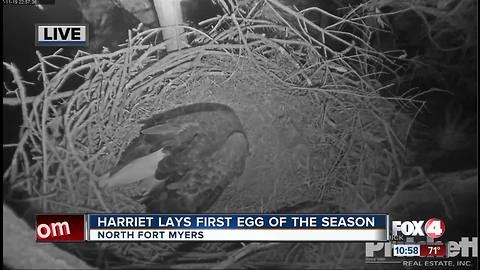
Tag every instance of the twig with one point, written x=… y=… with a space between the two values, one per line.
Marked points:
x=239 y=254
x=18 y=101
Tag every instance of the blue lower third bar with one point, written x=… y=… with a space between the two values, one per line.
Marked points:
x=238 y=227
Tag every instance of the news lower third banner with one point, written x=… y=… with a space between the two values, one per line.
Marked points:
x=213 y=227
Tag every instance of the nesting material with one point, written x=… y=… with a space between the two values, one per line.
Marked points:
x=317 y=125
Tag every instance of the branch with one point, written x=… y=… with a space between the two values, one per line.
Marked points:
x=16 y=101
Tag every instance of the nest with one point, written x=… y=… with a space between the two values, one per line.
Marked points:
x=308 y=97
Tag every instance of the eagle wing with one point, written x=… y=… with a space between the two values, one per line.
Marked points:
x=141 y=157
x=201 y=185
x=197 y=150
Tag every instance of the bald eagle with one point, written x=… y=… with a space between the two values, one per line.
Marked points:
x=187 y=156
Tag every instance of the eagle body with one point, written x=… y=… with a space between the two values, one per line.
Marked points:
x=189 y=155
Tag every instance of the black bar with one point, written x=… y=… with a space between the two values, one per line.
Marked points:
x=46 y=2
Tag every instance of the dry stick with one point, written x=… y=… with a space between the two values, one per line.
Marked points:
x=357 y=192
x=162 y=65
x=414 y=119
x=27 y=119
x=225 y=36
x=54 y=55
x=243 y=39
x=69 y=142
x=397 y=192
x=173 y=69
x=43 y=125
x=75 y=207
x=18 y=101
x=155 y=48
x=291 y=253
x=389 y=132
x=298 y=34
x=65 y=169
x=106 y=89
x=120 y=87
x=200 y=256
x=81 y=63
x=58 y=82
x=21 y=91
x=92 y=176
x=190 y=266
x=14 y=164
x=439 y=47
x=82 y=113
x=390 y=169
x=82 y=122
x=239 y=254
x=435 y=189
x=35 y=103
x=321 y=30
x=341 y=257
x=284 y=52
x=339 y=20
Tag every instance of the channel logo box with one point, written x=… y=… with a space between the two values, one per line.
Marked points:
x=61 y=34
x=58 y=228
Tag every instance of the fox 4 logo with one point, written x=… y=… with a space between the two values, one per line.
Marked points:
x=433 y=228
